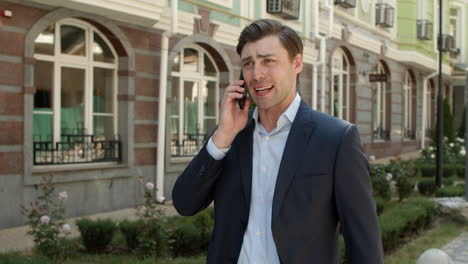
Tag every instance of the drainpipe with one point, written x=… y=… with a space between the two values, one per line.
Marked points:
x=425 y=80
x=162 y=104
x=321 y=61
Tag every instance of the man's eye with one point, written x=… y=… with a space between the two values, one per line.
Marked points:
x=247 y=64
x=268 y=60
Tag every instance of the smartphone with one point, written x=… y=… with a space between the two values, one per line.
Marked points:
x=241 y=101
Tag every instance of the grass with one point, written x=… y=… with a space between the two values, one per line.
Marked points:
x=442 y=232
x=16 y=258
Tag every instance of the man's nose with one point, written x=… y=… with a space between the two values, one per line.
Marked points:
x=258 y=72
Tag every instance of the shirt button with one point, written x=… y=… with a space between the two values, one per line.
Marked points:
x=258 y=233
x=263 y=169
x=267 y=138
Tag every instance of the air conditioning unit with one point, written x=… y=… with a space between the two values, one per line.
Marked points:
x=424 y=29
x=346 y=3
x=384 y=14
x=446 y=43
x=287 y=9
x=454 y=52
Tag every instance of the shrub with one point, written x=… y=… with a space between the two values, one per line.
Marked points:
x=400 y=172
x=380 y=185
x=129 y=230
x=405 y=219
x=191 y=235
x=460 y=168
x=451 y=191
x=449 y=170
x=447 y=182
x=426 y=169
x=47 y=222
x=380 y=205
x=96 y=235
x=427 y=187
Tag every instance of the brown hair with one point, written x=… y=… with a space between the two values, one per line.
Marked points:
x=267 y=27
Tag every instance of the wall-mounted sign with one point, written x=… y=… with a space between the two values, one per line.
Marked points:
x=377 y=77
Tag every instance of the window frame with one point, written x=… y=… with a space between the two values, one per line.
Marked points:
x=199 y=78
x=86 y=63
x=380 y=95
x=408 y=114
x=343 y=103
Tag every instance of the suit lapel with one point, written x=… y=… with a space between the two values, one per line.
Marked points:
x=296 y=144
x=245 y=160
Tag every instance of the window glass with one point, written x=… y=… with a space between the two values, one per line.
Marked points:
x=72 y=40
x=103 y=90
x=103 y=127
x=72 y=101
x=44 y=43
x=43 y=76
x=191 y=126
x=176 y=63
x=101 y=51
x=210 y=69
x=209 y=98
x=191 y=58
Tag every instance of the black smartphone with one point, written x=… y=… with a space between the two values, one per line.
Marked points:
x=241 y=101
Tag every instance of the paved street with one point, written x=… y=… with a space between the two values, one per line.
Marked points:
x=458 y=249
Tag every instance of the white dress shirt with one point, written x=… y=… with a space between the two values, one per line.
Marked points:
x=258 y=246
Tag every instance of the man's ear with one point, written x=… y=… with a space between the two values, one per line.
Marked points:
x=297 y=63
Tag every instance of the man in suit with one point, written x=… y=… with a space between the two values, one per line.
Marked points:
x=285 y=179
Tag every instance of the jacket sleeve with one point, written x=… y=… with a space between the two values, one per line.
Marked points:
x=355 y=203
x=194 y=188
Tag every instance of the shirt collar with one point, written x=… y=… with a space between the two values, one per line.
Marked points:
x=289 y=114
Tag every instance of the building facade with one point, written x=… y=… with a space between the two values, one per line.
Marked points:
x=106 y=95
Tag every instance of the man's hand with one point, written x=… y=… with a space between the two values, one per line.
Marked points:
x=232 y=118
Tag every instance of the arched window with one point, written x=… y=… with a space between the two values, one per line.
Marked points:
x=380 y=107
x=408 y=106
x=75 y=103
x=195 y=93
x=340 y=93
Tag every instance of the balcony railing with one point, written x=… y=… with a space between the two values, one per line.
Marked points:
x=384 y=15
x=446 y=43
x=346 y=3
x=188 y=146
x=379 y=133
x=409 y=133
x=76 y=148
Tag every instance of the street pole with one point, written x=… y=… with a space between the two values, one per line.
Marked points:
x=466 y=133
x=440 y=110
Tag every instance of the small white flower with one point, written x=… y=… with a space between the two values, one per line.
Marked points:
x=63 y=196
x=66 y=227
x=371 y=157
x=445 y=138
x=149 y=186
x=45 y=219
x=389 y=177
x=433 y=156
x=451 y=145
x=431 y=148
x=462 y=152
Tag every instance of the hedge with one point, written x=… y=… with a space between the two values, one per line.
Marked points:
x=405 y=219
x=451 y=191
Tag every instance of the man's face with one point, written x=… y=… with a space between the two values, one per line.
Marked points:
x=269 y=73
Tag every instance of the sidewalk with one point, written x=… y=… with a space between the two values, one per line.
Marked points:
x=16 y=239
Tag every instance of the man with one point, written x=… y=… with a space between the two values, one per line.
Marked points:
x=284 y=177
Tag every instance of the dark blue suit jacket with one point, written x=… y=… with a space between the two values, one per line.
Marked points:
x=323 y=181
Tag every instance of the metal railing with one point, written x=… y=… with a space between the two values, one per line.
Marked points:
x=188 y=145
x=77 y=148
x=379 y=133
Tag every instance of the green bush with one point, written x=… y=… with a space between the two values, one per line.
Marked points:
x=151 y=239
x=451 y=191
x=426 y=169
x=460 y=168
x=404 y=187
x=449 y=170
x=96 y=235
x=447 y=182
x=380 y=185
x=380 y=205
x=427 y=187
x=461 y=129
x=129 y=230
x=405 y=219
x=191 y=235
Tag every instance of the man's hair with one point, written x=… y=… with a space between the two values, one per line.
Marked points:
x=268 y=27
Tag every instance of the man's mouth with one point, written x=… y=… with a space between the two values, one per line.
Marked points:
x=260 y=91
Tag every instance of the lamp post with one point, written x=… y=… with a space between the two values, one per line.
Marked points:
x=440 y=115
